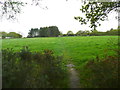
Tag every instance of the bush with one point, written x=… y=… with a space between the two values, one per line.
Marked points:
x=101 y=73
x=26 y=69
x=65 y=35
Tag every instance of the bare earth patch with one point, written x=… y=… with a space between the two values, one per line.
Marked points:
x=74 y=79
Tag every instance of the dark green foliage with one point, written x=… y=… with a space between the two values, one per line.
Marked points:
x=113 y=32
x=26 y=69
x=64 y=34
x=70 y=33
x=101 y=73
x=25 y=53
x=33 y=32
x=83 y=33
x=51 y=31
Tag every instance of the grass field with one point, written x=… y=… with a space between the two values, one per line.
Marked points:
x=75 y=49
x=94 y=57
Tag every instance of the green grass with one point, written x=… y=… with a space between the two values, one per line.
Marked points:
x=75 y=49
x=78 y=50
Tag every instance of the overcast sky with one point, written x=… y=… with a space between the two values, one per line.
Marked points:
x=59 y=13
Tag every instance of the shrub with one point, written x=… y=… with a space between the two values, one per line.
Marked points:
x=25 y=69
x=101 y=73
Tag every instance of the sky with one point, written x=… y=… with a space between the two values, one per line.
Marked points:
x=59 y=13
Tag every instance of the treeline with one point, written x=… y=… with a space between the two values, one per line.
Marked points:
x=10 y=35
x=92 y=33
x=51 y=31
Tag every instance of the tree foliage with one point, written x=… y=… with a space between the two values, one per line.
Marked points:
x=111 y=32
x=10 y=8
x=70 y=33
x=51 y=31
x=96 y=12
x=10 y=34
x=83 y=33
x=14 y=35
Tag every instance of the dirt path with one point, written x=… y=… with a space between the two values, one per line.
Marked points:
x=74 y=79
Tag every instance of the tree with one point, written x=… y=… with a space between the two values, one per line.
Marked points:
x=10 y=34
x=44 y=32
x=94 y=32
x=36 y=32
x=113 y=32
x=79 y=33
x=118 y=27
x=83 y=33
x=51 y=31
x=14 y=35
x=3 y=34
x=70 y=33
x=54 y=31
x=9 y=8
x=96 y=12
x=86 y=33
x=61 y=34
